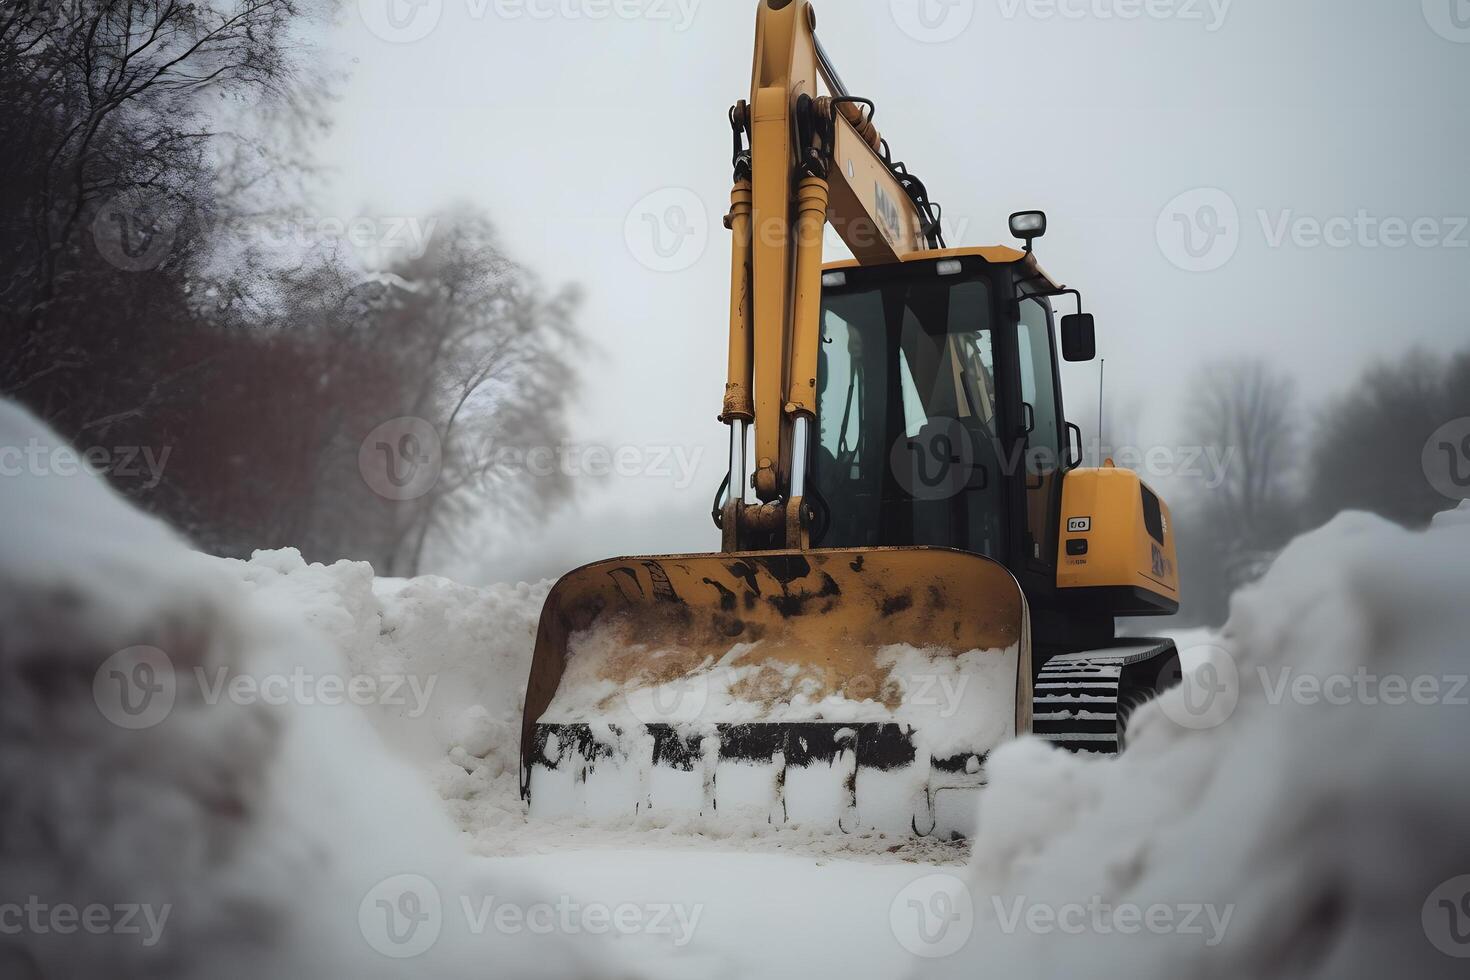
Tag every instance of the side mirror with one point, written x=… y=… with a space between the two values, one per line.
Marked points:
x=1079 y=337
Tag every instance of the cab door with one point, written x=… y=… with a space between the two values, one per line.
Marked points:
x=1042 y=463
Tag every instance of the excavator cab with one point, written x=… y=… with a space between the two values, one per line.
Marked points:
x=939 y=411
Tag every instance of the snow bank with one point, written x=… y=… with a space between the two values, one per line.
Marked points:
x=956 y=702
x=186 y=788
x=1296 y=809
x=456 y=657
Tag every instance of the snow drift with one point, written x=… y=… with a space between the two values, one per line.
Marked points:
x=1296 y=809
x=198 y=824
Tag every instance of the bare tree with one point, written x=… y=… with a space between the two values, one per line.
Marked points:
x=496 y=382
x=1247 y=410
x=141 y=304
x=113 y=139
x=1368 y=449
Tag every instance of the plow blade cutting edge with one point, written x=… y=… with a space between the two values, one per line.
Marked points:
x=852 y=690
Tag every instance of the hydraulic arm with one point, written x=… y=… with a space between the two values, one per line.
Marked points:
x=802 y=160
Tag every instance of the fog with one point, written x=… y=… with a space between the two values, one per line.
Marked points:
x=1248 y=123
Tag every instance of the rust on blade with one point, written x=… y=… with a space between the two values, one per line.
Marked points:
x=815 y=618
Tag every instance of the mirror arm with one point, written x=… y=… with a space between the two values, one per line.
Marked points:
x=1059 y=291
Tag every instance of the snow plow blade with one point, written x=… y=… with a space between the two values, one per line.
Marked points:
x=853 y=690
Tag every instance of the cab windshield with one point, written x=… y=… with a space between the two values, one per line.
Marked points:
x=908 y=450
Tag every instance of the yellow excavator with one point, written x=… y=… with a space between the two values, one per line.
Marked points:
x=916 y=567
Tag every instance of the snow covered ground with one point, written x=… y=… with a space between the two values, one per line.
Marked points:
x=272 y=768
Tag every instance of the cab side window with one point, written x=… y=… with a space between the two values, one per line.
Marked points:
x=1043 y=459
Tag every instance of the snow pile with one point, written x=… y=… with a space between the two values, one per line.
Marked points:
x=449 y=661
x=623 y=689
x=1296 y=809
x=1450 y=518
x=455 y=659
x=956 y=702
x=180 y=792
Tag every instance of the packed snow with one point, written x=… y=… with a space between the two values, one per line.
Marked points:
x=951 y=704
x=332 y=789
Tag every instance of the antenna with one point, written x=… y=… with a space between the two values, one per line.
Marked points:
x=1102 y=366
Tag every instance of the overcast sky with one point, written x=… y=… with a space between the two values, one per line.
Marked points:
x=1246 y=124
